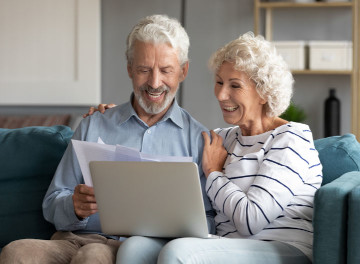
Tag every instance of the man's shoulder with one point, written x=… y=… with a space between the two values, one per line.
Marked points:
x=191 y=121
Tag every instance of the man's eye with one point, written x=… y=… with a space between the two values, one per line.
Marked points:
x=165 y=71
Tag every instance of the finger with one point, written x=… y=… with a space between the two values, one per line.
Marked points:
x=206 y=138
x=91 y=110
x=101 y=108
x=214 y=137
x=85 y=190
x=108 y=106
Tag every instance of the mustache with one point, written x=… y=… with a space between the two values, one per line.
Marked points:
x=150 y=89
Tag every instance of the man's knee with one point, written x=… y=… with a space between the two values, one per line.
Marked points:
x=17 y=251
x=94 y=253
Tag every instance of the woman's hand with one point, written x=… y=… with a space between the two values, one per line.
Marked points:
x=101 y=108
x=214 y=154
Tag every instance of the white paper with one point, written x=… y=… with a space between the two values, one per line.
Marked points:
x=91 y=151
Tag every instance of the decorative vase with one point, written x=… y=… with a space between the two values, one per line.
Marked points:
x=332 y=114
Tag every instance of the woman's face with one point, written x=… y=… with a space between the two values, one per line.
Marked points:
x=239 y=101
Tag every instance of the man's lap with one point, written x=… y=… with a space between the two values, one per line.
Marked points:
x=62 y=247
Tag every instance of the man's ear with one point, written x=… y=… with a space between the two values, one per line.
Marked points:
x=129 y=70
x=184 y=71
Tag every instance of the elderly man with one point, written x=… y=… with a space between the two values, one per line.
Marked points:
x=152 y=122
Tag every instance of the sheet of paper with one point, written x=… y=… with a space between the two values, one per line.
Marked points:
x=150 y=157
x=92 y=151
x=89 y=151
x=123 y=153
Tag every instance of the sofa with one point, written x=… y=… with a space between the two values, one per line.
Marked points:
x=29 y=157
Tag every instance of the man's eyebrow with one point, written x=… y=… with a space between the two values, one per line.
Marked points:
x=165 y=67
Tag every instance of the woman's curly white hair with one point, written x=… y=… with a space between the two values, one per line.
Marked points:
x=259 y=59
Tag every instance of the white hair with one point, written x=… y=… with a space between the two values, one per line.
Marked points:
x=259 y=59
x=159 y=29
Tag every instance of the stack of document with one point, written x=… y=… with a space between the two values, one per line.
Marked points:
x=92 y=151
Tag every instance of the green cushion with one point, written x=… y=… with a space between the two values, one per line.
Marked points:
x=353 y=254
x=28 y=159
x=330 y=219
x=338 y=155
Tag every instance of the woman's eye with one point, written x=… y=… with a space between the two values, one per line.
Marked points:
x=219 y=83
x=235 y=86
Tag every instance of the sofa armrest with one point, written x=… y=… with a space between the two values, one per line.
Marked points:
x=353 y=240
x=330 y=219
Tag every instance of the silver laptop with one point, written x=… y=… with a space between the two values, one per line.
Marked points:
x=157 y=199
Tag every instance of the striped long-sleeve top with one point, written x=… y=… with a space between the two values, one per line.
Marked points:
x=267 y=186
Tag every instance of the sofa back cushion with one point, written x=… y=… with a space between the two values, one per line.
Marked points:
x=338 y=155
x=28 y=159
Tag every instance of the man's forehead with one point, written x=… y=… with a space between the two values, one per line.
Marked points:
x=161 y=53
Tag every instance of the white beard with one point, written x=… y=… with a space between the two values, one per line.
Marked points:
x=154 y=108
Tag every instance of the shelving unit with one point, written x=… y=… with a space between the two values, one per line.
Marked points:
x=354 y=73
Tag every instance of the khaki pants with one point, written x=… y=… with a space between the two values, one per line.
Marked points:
x=64 y=247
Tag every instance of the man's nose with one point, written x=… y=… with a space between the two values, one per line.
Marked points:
x=155 y=79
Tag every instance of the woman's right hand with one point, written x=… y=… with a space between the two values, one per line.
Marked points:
x=101 y=108
x=214 y=154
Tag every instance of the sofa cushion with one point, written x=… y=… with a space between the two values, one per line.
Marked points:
x=338 y=155
x=28 y=159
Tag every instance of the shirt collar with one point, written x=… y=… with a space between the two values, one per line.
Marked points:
x=174 y=113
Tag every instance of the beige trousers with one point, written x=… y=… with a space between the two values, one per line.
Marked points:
x=64 y=247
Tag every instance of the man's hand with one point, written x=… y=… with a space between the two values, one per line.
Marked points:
x=214 y=154
x=101 y=108
x=84 y=201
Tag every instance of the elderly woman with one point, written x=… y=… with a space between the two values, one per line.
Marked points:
x=262 y=173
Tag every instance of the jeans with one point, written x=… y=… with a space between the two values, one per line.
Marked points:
x=143 y=250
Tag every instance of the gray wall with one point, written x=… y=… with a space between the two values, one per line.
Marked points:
x=210 y=24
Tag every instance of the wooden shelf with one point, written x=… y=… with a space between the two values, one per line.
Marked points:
x=297 y=5
x=354 y=5
x=321 y=72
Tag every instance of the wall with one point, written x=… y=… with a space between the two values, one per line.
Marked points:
x=210 y=24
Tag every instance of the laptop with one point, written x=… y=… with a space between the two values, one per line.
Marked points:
x=156 y=199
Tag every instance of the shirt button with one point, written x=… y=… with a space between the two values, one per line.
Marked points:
x=149 y=131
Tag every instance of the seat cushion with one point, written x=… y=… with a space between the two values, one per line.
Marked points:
x=28 y=159
x=338 y=155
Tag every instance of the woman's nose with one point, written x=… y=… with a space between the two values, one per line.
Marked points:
x=222 y=93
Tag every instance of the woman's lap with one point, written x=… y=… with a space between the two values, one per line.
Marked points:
x=196 y=250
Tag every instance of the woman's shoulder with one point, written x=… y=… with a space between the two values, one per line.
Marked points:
x=293 y=131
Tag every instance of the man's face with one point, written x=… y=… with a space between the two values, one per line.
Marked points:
x=156 y=73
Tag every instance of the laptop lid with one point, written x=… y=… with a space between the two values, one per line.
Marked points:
x=158 y=199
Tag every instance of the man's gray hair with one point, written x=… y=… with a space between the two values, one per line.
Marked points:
x=159 y=29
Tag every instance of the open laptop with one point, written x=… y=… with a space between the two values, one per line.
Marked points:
x=157 y=199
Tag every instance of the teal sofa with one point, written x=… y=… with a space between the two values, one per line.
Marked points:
x=29 y=157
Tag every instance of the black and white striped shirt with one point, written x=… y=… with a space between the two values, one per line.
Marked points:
x=267 y=187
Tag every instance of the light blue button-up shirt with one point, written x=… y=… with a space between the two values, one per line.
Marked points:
x=176 y=134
